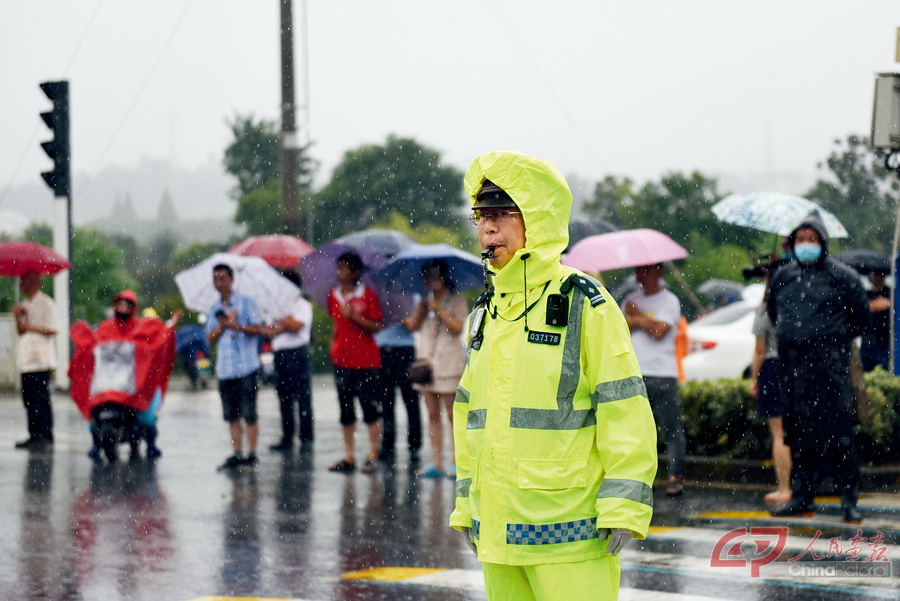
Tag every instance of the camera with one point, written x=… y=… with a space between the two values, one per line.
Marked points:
x=757 y=271
x=220 y=314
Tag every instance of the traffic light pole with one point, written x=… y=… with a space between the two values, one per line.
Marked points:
x=59 y=180
x=62 y=287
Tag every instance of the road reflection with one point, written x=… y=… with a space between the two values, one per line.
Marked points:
x=242 y=548
x=121 y=532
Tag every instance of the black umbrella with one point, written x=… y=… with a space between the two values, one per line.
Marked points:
x=578 y=230
x=865 y=261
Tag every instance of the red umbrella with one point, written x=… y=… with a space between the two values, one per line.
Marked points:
x=279 y=251
x=18 y=258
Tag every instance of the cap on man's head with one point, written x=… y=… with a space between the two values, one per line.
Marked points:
x=492 y=196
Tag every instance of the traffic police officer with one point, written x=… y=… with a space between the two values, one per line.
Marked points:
x=555 y=440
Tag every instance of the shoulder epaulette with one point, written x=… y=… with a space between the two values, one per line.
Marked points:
x=587 y=284
x=482 y=298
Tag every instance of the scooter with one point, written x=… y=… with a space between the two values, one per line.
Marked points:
x=203 y=367
x=111 y=425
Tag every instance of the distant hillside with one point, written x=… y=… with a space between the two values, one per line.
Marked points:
x=197 y=194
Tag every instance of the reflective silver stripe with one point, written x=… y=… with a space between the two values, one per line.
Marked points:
x=619 y=390
x=626 y=489
x=551 y=534
x=565 y=417
x=463 y=486
x=476 y=419
x=462 y=395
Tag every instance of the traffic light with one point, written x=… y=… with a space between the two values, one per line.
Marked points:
x=57 y=148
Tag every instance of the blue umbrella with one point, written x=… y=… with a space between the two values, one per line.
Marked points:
x=403 y=272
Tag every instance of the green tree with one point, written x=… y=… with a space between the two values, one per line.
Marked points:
x=400 y=175
x=679 y=205
x=254 y=155
x=254 y=159
x=260 y=209
x=860 y=192
x=611 y=195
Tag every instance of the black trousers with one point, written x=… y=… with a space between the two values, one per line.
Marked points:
x=293 y=385
x=36 y=398
x=808 y=463
x=395 y=362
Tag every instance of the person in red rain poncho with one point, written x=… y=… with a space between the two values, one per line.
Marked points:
x=127 y=360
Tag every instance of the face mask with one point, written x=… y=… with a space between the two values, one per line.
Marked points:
x=807 y=252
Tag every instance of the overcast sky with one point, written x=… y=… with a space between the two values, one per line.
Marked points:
x=599 y=87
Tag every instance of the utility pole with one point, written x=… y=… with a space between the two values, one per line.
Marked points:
x=290 y=149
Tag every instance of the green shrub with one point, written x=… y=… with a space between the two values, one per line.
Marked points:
x=720 y=420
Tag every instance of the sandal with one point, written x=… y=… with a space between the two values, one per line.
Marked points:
x=342 y=466
x=368 y=467
x=431 y=472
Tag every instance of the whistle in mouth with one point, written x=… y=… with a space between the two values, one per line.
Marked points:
x=488 y=253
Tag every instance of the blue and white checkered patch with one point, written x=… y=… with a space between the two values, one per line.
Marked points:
x=551 y=534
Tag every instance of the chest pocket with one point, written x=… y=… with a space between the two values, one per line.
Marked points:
x=552 y=474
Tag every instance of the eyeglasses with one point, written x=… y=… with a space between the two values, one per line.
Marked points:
x=480 y=218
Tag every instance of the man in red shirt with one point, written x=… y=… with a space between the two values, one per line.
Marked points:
x=357 y=315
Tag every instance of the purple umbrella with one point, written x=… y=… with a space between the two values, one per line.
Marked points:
x=386 y=242
x=319 y=277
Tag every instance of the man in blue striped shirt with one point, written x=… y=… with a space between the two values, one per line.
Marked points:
x=233 y=328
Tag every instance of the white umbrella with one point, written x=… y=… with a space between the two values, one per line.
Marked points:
x=253 y=277
x=774 y=212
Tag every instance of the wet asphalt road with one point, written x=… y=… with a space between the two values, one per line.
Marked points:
x=177 y=530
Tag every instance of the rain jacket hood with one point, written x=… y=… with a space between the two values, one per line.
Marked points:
x=129 y=296
x=543 y=196
x=815 y=222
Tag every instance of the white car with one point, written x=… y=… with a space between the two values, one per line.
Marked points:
x=721 y=343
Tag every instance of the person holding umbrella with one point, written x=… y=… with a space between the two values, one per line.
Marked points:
x=440 y=318
x=234 y=327
x=357 y=315
x=36 y=324
x=652 y=314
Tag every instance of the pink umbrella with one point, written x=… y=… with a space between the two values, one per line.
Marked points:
x=618 y=250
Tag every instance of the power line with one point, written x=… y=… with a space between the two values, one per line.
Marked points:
x=579 y=131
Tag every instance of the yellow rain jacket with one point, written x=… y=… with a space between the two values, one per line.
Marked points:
x=555 y=440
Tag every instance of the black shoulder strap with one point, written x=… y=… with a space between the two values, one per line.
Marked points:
x=482 y=299
x=587 y=284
